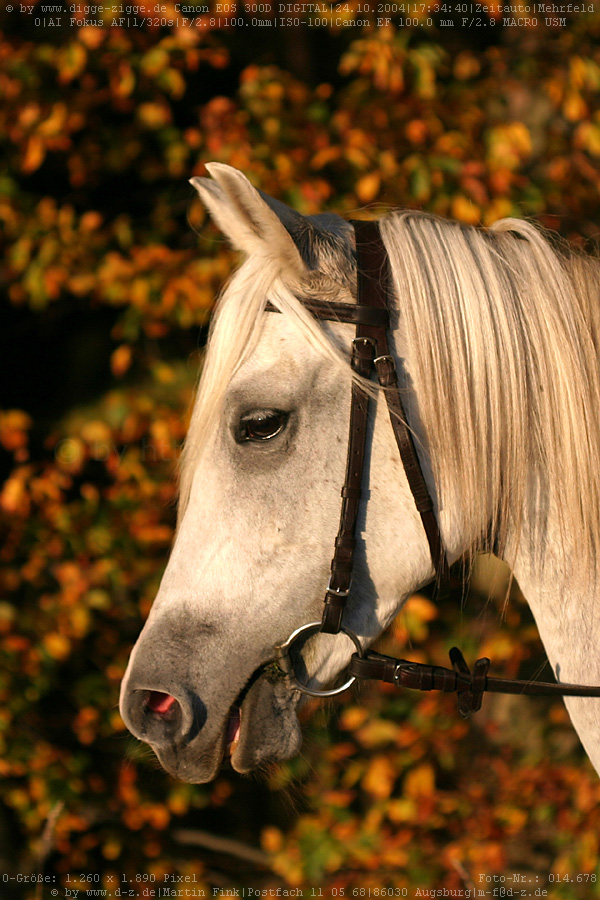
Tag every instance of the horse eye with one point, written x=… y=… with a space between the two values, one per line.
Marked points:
x=262 y=425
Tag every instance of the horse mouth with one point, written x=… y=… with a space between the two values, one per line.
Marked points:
x=233 y=723
x=260 y=726
x=233 y=729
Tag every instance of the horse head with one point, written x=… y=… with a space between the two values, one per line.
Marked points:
x=260 y=502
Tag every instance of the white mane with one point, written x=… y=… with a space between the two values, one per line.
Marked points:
x=501 y=331
x=498 y=333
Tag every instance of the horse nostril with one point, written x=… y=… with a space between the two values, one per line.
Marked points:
x=162 y=718
x=161 y=704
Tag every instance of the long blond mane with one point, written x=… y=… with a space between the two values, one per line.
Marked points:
x=502 y=333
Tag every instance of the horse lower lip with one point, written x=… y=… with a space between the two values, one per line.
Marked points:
x=234 y=721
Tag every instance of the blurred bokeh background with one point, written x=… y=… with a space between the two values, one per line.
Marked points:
x=109 y=269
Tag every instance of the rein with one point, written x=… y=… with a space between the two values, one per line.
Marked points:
x=370 y=354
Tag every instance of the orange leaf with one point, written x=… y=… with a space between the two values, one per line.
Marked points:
x=35 y=153
x=574 y=108
x=368 y=187
x=57 y=645
x=465 y=210
x=420 y=782
x=120 y=360
x=380 y=777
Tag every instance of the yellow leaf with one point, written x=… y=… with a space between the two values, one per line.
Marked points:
x=325 y=156
x=80 y=621
x=164 y=373
x=70 y=454
x=403 y=810
x=514 y=819
x=587 y=136
x=466 y=65
x=112 y=848
x=55 y=122
x=465 y=210
x=154 y=61
x=377 y=732
x=57 y=645
x=574 y=107
x=90 y=36
x=357 y=157
x=394 y=857
x=577 y=72
x=71 y=61
x=271 y=839
x=178 y=804
x=497 y=209
x=157 y=815
x=123 y=82
x=422 y=608
x=380 y=777
x=154 y=115
x=96 y=431
x=353 y=717
x=368 y=187
x=519 y=134
x=509 y=145
x=420 y=782
x=98 y=599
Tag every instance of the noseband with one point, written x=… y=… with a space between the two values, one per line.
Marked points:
x=370 y=353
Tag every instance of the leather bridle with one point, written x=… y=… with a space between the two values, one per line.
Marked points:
x=370 y=353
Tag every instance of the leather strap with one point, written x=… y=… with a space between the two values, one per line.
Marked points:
x=347 y=313
x=469 y=686
x=370 y=349
x=374 y=278
x=343 y=557
x=388 y=378
x=371 y=332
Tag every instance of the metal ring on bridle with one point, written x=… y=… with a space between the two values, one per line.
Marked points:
x=283 y=658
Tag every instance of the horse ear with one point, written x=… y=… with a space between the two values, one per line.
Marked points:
x=251 y=220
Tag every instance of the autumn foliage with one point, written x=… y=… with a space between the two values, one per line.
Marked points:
x=110 y=270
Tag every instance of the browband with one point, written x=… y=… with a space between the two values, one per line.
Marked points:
x=347 y=313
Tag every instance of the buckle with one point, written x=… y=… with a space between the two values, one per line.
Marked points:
x=363 y=351
x=385 y=367
x=335 y=592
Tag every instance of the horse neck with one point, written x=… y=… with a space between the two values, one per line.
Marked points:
x=569 y=626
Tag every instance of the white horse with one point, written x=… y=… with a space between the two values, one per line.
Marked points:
x=498 y=332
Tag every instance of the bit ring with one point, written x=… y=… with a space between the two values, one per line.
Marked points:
x=283 y=657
